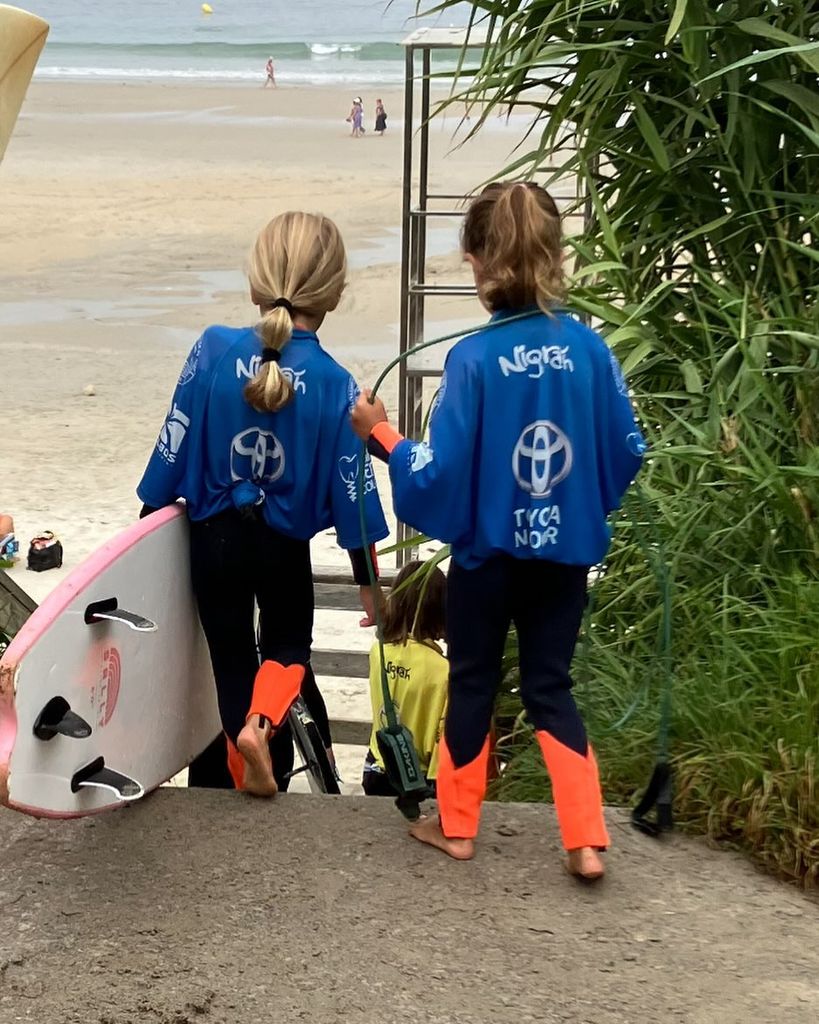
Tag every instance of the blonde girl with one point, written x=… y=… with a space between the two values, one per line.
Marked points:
x=258 y=443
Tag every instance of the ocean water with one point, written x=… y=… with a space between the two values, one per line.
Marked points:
x=312 y=42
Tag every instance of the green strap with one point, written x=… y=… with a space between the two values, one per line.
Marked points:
x=660 y=565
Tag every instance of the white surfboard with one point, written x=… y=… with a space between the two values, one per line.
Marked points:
x=107 y=690
x=22 y=37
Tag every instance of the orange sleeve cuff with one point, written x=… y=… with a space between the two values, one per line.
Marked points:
x=386 y=435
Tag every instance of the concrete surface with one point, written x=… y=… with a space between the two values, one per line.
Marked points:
x=195 y=906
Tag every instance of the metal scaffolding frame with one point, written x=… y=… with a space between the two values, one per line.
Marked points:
x=416 y=211
x=418 y=207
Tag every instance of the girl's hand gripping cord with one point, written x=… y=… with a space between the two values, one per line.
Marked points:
x=367 y=411
x=369 y=421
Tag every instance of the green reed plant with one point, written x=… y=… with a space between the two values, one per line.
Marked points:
x=692 y=132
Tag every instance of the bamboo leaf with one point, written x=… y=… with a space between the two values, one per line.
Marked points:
x=628 y=332
x=603 y=311
x=760 y=27
x=809 y=52
x=691 y=376
x=676 y=20
x=806 y=99
x=811 y=340
x=804 y=250
x=636 y=356
x=810 y=134
x=652 y=137
x=602 y=267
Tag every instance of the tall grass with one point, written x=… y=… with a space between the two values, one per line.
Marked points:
x=693 y=129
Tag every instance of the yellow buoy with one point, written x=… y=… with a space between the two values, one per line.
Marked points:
x=207 y=9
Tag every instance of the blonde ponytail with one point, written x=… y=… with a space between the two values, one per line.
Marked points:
x=270 y=390
x=513 y=229
x=298 y=265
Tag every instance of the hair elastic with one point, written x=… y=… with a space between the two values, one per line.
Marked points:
x=283 y=304
x=271 y=355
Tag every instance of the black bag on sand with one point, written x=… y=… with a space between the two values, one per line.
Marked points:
x=45 y=552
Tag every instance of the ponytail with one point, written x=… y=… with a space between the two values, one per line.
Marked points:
x=513 y=229
x=270 y=390
x=298 y=265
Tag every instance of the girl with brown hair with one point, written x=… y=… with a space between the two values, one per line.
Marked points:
x=532 y=444
x=258 y=443
x=417 y=671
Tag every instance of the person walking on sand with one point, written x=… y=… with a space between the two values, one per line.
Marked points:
x=271 y=73
x=380 y=118
x=532 y=444
x=258 y=443
x=356 y=118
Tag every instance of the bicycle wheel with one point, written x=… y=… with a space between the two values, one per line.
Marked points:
x=320 y=775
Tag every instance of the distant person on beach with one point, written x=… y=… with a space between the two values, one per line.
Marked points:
x=380 y=118
x=533 y=443
x=414 y=621
x=356 y=118
x=271 y=73
x=258 y=442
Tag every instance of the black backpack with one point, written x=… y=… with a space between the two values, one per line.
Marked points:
x=45 y=552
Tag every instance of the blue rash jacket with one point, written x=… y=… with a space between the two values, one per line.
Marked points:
x=532 y=444
x=300 y=463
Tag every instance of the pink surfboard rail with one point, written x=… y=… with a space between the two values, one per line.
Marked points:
x=51 y=608
x=78 y=579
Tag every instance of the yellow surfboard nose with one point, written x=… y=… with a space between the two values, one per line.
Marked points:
x=22 y=37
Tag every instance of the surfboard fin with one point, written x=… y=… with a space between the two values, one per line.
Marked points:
x=96 y=776
x=99 y=611
x=57 y=717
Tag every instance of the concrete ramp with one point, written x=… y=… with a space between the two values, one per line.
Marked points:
x=213 y=908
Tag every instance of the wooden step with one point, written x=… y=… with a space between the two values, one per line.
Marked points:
x=336 y=576
x=334 y=589
x=345 y=730
x=352 y=664
x=337 y=597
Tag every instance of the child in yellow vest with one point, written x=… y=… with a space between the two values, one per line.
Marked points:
x=417 y=671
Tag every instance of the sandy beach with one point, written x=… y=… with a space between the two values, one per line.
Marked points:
x=126 y=215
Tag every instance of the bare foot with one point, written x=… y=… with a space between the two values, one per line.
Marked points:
x=252 y=745
x=585 y=863
x=428 y=830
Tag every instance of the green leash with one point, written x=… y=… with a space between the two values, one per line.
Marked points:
x=395 y=741
x=659 y=793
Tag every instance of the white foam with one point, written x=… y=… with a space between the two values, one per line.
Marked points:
x=315 y=76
